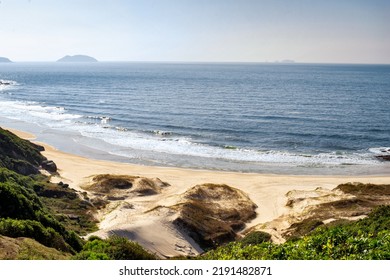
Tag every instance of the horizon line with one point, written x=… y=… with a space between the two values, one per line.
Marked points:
x=288 y=62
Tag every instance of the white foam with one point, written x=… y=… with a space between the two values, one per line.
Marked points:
x=7 y=84
x=163 y=143
x=380 y=150
x=103 y=119
x=34 y=112
x=129 y=142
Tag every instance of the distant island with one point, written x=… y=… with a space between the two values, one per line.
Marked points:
x=77 y=58
x=284 y=61
x=4 y=59
x=287 y=61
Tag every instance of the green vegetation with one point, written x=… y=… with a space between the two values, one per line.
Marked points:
x=34 y=229
x=113 y=248
x=19 y=155
x=29 y=204
x=22 y=214
x=255 y=237
x=367 y=239
x=68 y=208
x=304 y=227
x=28 y=249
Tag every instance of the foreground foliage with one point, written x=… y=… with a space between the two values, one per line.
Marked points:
x=22 y=214
x=23 y=248
x=113 y=248
x=367 y=239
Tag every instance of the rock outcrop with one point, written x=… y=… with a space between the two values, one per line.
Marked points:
x=384 y=157
x=49 y=165
x=19 y=155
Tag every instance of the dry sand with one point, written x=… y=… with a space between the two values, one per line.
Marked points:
x=153 y=229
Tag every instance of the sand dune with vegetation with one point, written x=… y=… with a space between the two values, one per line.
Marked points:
x=163 y=208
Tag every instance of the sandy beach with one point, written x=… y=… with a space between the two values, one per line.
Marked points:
x=152 y=229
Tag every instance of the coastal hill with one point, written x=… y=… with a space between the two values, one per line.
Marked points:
x=4 y=60
x=77 y=58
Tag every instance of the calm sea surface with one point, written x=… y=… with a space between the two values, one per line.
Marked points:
x=282 y=118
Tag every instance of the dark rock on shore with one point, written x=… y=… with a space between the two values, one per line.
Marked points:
x=49 y=165
x=61 y=184
x=383 y=157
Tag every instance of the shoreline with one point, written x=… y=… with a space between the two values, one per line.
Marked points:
x=95 y=148
x=267 y=191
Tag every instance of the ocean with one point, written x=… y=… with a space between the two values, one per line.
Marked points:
x=268 y=118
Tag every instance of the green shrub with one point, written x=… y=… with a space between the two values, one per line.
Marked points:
x=121 y=248
x=91 y=255
x=113 y=248
x=255 y=237
x=33 y=229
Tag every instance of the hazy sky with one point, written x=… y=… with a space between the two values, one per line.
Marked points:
x=344 y=31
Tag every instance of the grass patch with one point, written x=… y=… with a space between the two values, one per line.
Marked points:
x=360 y=189
x=113 y=248
x=255 y=237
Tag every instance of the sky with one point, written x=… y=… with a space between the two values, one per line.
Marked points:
x=309 y=31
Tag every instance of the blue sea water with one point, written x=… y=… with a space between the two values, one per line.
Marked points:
x=279 y=118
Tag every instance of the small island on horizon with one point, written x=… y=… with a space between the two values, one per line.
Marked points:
x=4 y=60
x=77 y=58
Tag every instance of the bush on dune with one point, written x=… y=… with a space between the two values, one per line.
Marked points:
x=35 y=230
x=255 y=237
x=113 y=248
